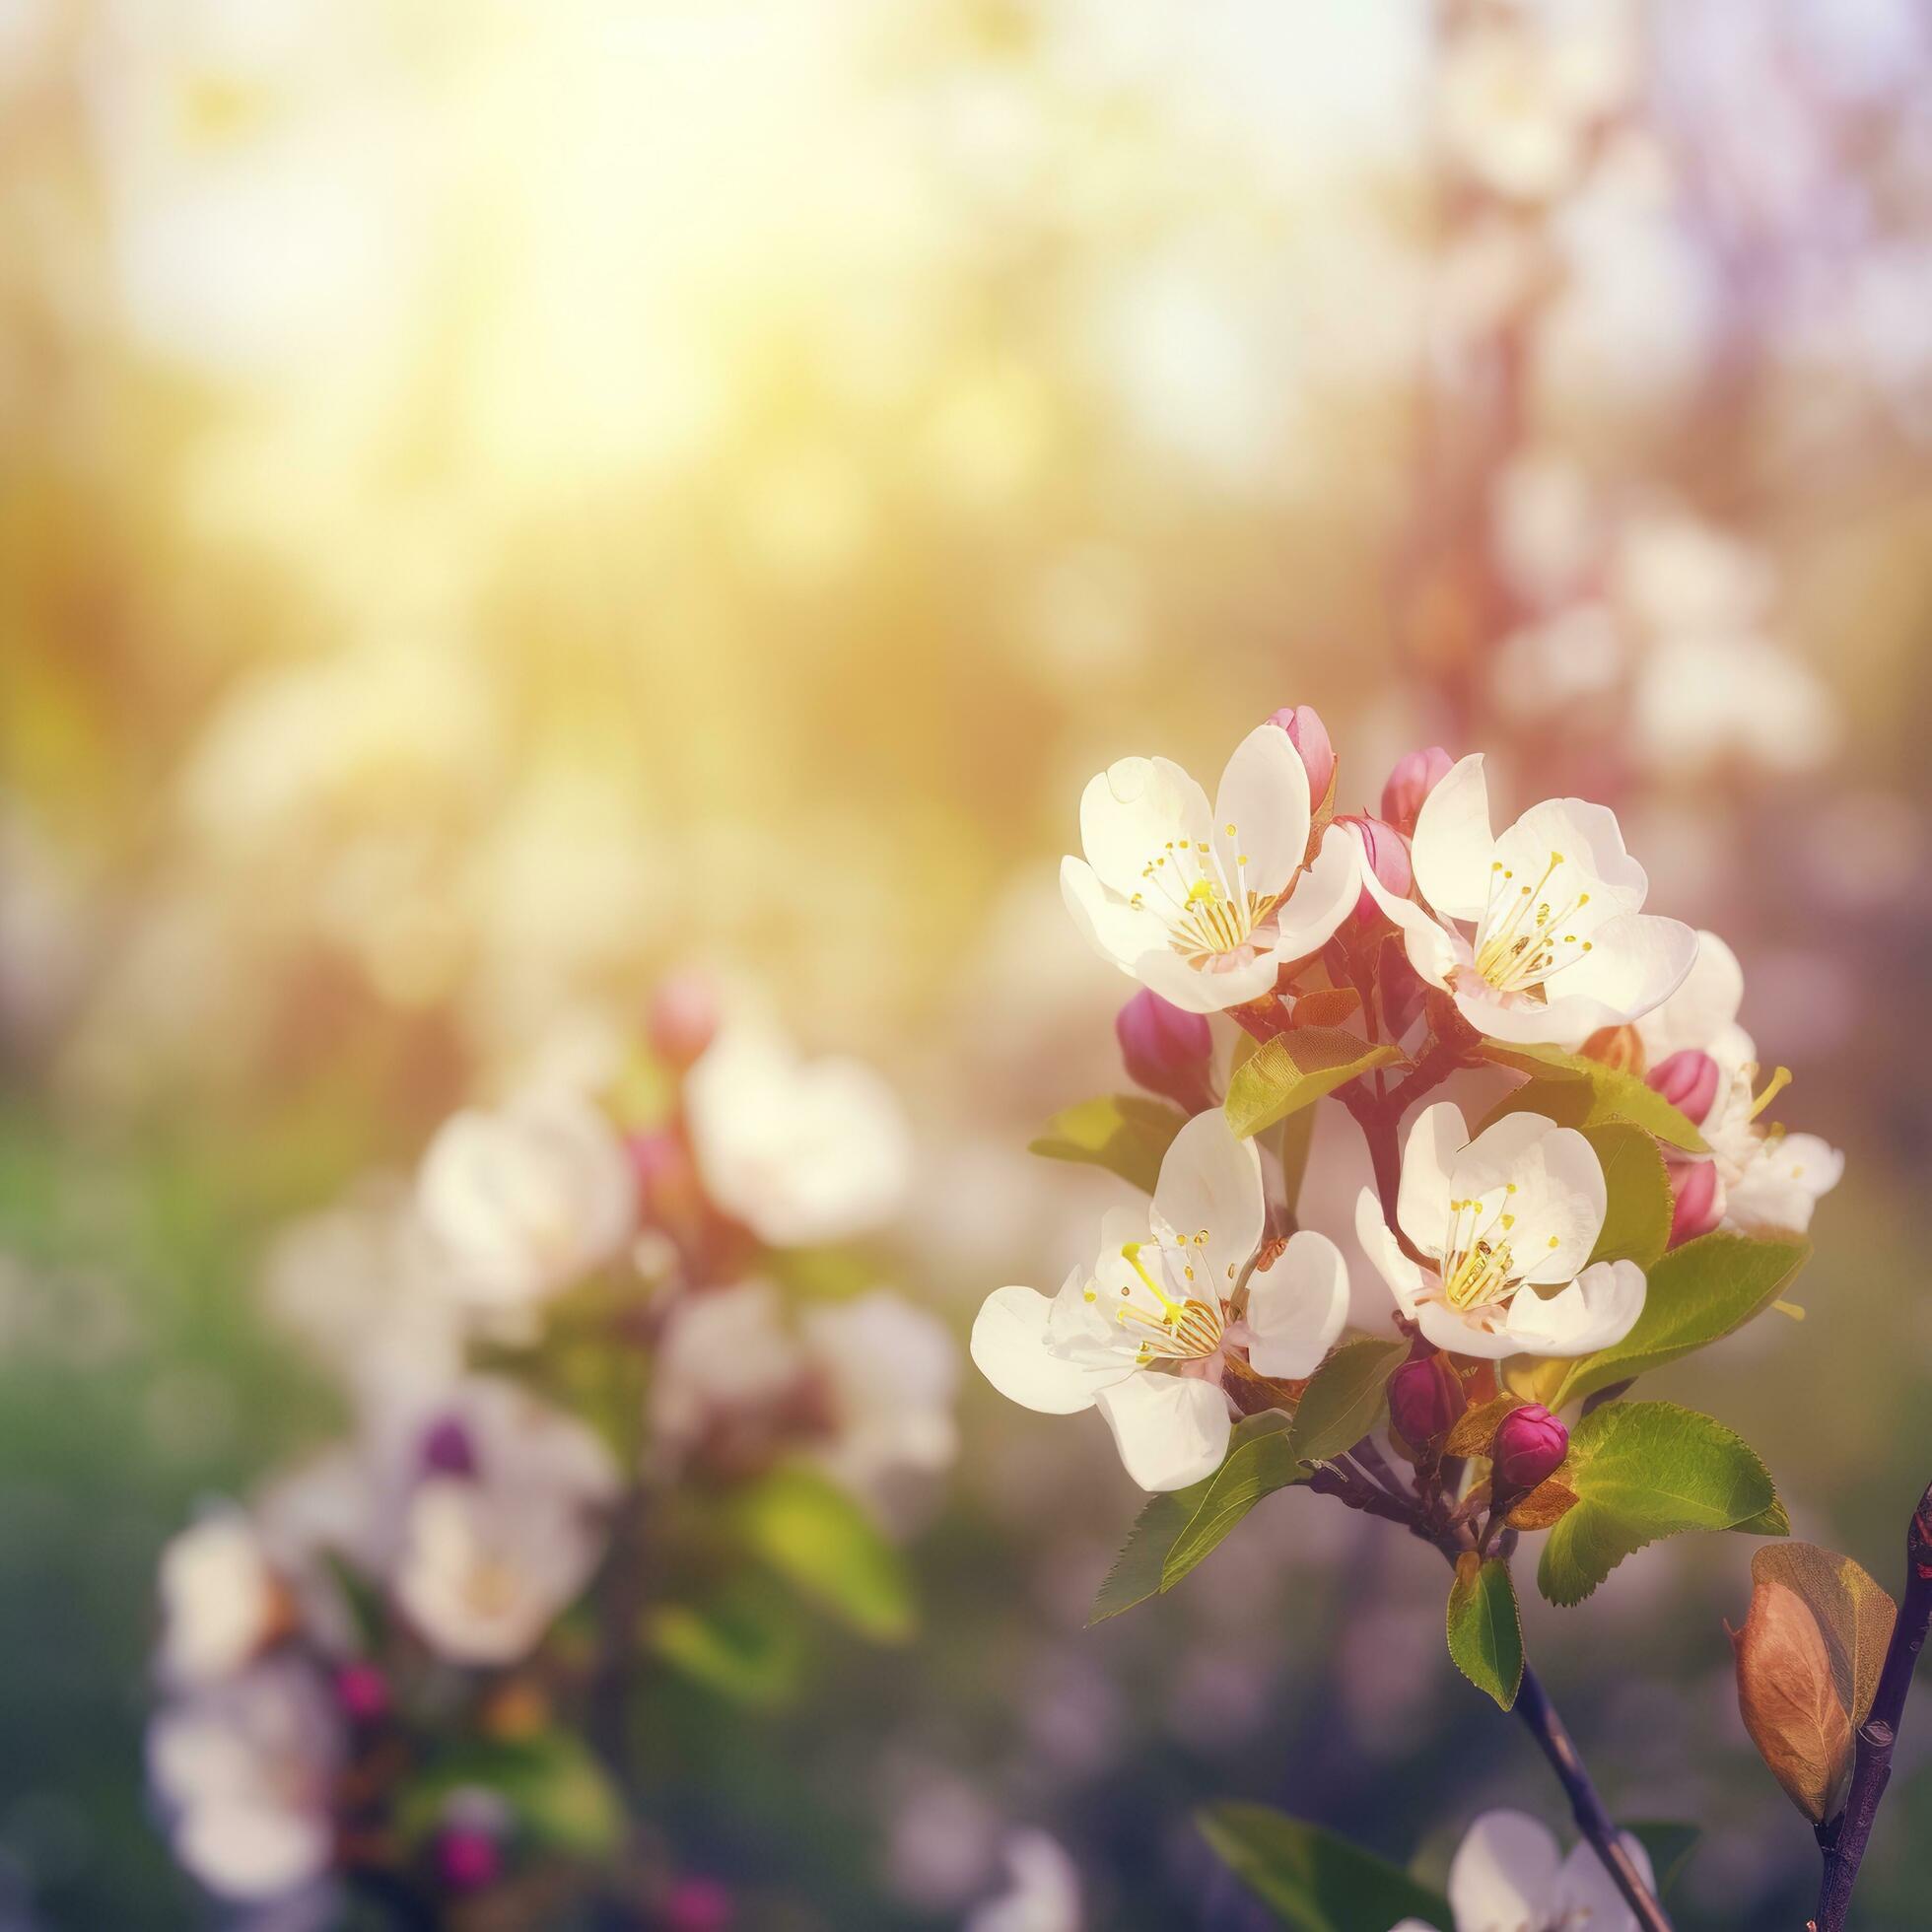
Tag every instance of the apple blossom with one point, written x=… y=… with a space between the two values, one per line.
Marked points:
x=222 y=1603
x=1508 y=1876
x=800 y=1152
x=244 y=1771
x=488 y=1558
x=1495 y=1219
x=1145 y=1334
x=1206 y=907
x=682 y=1019
x=1559 y=947
x=1044 y=1895
x=1757 y=1177
x=524 y=1201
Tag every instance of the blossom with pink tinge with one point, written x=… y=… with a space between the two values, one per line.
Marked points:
x=682 y=1019
x=1688 y=1080
x=1417 y=773
x=1310 y=737
x=1165 y=1049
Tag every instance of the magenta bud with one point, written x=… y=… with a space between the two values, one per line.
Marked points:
x=1529 y=1448
x=1425 y=1397
x=698 y=1905
x=1416 y=776
x=1309 y=737
x=1688 y=1081
x=363 y=1693
x=467 y=1859
x=1165 y=1049
x=682 y=1019
x=1695 y=1207
x=447 y=1449
x=1386 y=852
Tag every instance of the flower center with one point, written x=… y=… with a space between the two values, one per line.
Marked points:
x=1174 y=1328
x=1526 y=936
x=1478 y=1258
x=1187 y=888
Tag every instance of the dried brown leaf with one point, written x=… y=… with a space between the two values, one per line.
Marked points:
x=1789 y=1698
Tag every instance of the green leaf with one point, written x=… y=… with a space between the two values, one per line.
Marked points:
x=1297 y=1138
x=1140 y=1568
x=1641 y=1471
x=1343 y=1397
x=1293 y=1071
x=1126 y=1133
x=1670 y=1846
x=1767 y=1522
x=822 y=1543
x=1638 y=1194
x=1575 y=1091
x=1314 y=1878
x=1486 y=1630
x=552 y=1782
x=1697 y=1294
x=1256 y=1466
x=744 y=1646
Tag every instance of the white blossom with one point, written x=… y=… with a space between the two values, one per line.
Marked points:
x=1508 y=1876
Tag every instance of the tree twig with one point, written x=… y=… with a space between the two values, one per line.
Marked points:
x=1843 y=1842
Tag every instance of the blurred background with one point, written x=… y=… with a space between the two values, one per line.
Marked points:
x=498 y=502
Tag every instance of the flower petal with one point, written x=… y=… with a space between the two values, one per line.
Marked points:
x=1261 y=814
x=1298 y=1307
x=1585 y=1894
x=1210 y=1186
x=1431 y=948
x=1635 y=964
x=1466 y=1335
x=1229 y=981
x=1702 y=1009
x=1591 y=843
x=1170 y=1429
x=1321 y=897
x=1009 y=1348
x=1130 y=813
x=1385 y=1253
x=1114 y=928
x=1453 y=847
x=1436 y=1140
x=1557 y=1207
x=1595 y=1311
x=1504 y=1874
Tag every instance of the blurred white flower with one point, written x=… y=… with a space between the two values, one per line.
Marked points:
x=1520 y=93
x=243 y=1770
x=1702 y=698
x=527 y=1199
x=505 y=1524
x=221 y=1601
x=801 y=1152
x=1546 y=526
x=1043 y=1893
x=1509 y=1876
x=1560 y=661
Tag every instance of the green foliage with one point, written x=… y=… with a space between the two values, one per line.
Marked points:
x=552 y=1782
x=1575 y=1091
x=1641 y=1471
x=1312 y=1879
x=820 y=1541
x=1168 y=1521
x=1293 y=1071
x=1638 y=1194
x=1344 y=1396
x=1486 y=1630
x=1697 y=1294
x=1126 y=1133
x=742 y=1644
x=1256 y=1466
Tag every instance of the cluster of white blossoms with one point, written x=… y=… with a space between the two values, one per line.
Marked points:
x=1534 y=937
x=468 y=1508
x=1508 y=1876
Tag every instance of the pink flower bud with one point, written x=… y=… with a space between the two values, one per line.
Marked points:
x=682 y=1019
x=467 y=1859
x=1165 y=1049
x=1309 y=737
x=1416 y=776
x=698 y=1905
x=363 y=1693
x=446 y=1448
x=1688 y=1081
x=1696 y=1202
x=1529 y=1447
x=1386 y=852
x=1426 y=1395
